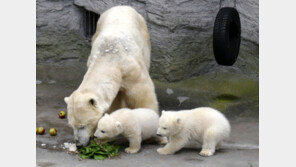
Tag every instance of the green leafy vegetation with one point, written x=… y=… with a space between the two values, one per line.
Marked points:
x=98 y=151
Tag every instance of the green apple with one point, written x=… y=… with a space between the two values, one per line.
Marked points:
x=62 y=114
x=41 y=130
x=52 y=131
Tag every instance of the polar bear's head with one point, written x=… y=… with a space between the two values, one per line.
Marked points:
x=108 y=128
x=84 y=112
x=169 y=124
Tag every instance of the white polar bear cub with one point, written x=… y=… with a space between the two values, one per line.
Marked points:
x=136 y=125
x=205 y=125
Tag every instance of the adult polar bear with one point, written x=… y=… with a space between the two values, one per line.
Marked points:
x=117 y=75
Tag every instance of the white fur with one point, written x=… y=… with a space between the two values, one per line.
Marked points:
x=136 y=125
x=205 y=125
x=117 y=74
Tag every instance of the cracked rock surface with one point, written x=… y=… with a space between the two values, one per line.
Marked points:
x=180 y=31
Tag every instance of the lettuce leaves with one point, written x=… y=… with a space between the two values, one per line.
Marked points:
x=98 y=151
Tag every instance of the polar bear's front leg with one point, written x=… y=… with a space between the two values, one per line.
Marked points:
x=142 y=95
x=174 y=145
x=134 y=144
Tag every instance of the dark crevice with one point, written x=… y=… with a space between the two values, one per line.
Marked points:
x=90 y=23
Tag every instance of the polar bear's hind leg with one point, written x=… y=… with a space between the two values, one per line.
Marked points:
x=210 y=140
x=134 y=144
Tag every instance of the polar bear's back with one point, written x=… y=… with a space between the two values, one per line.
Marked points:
x=125 y=23
x=145 y=119
x=206 y=117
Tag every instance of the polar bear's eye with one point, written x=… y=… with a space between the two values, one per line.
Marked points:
x=102 y=131
x=164 y=128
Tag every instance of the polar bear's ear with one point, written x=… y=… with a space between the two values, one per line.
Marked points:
x=118 y=124
x=66 y=99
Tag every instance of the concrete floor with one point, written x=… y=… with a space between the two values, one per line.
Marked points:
x=241 y=149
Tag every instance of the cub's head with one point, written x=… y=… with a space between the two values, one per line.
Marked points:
x=108 y=128
x=169 y=124
x=84 y=112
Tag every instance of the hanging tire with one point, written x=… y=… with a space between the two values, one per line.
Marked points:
x=226 y=36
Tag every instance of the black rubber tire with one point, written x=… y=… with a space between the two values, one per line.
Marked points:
x=227 y=36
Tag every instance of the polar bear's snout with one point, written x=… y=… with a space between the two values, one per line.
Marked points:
x=158 y=134
x=81 y=137
x=162 y=132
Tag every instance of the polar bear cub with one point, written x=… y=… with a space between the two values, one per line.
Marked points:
x=136 y=125
x=204 y=125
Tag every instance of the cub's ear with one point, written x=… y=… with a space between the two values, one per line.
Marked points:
x=66 y=99
x=92 y=102
x=178 y=120
x=118 y=124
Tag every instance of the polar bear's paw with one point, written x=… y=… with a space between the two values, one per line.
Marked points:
x=163 y=140
x=163 y=151
x=131 y=150
x=206 y=152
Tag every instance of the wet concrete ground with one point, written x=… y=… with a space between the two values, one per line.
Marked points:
x=241 y=149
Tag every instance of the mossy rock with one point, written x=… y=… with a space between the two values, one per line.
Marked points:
x=233 y=94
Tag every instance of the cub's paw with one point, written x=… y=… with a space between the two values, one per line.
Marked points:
x=163 y=140
x=163 y=151
x=206 y=152
x=131 y=150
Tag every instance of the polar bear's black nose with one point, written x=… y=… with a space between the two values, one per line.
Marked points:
x=158 y=134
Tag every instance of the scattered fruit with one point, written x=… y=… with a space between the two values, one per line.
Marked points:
x=52 y=131
x=41 y=130
x=36 y=130
x=62 y=114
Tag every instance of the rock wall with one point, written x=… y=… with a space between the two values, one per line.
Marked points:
x=180 y=30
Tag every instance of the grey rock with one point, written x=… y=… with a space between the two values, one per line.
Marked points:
x=38 y=82
x=180 y=32
x=52 y=82
x=169 y=91
x=60 y=32
x=182 y=99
